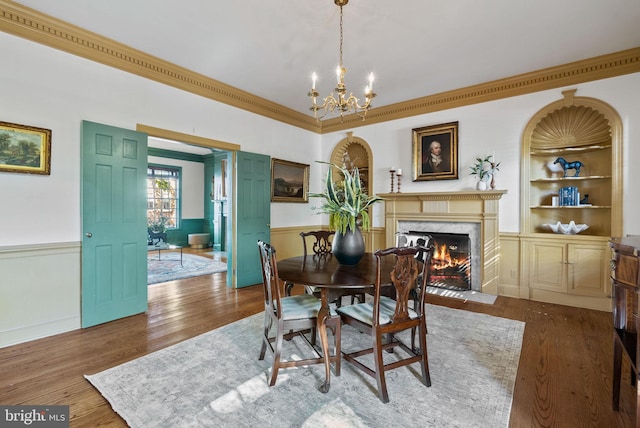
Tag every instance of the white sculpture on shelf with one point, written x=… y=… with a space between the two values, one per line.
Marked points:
x=567 y=229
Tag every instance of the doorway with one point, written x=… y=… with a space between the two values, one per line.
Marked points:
x=192 y=202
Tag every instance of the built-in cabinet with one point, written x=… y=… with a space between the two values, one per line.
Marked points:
x=570 y=269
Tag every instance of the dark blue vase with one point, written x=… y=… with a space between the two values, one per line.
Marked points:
x=348 y=249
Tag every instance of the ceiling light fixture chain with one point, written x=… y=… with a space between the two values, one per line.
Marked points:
x=342 y=103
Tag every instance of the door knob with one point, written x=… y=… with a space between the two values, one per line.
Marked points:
x=88 y=234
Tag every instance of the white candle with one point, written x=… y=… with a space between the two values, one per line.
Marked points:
x=338 y=71
x=399 y=171
x=314 y=78
x=393 y=168
x=370 y=82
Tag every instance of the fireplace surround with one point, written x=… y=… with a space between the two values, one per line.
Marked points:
x=471 y=212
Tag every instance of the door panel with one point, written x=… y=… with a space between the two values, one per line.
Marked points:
x=253 y=214
x=114 y=244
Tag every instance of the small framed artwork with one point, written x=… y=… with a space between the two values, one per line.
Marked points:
x=25 y=149
x=289 y=181
x=435 y=152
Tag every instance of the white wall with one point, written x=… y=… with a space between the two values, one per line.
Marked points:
x=497 y=127
x=47 y=88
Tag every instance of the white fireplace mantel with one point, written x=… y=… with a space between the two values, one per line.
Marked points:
x=463 y=206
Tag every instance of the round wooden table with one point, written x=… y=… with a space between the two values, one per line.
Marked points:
x=332 y=278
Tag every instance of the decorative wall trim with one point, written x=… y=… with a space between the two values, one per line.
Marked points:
x=29 y=309
x=41 y=28
x=36 y=26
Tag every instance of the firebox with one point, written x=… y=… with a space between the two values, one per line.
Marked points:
x=451 y=261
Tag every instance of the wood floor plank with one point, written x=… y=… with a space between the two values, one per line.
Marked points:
x=563 y=379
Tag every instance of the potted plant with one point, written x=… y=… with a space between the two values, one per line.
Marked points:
x=157 y=230
x=347 y=204
x=485 y=169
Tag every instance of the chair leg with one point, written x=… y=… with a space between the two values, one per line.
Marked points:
x=424 y=362
x=379 y=364
x=265 y=336
x=277 y=351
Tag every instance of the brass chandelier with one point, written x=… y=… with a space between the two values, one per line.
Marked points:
x=342 y=103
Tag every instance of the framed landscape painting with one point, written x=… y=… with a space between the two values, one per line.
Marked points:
x=435 y=152
x=25 y=149
x=289 y=181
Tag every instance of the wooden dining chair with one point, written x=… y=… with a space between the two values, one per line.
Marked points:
x=321 y=246
x=291 y=316
x=384 y=318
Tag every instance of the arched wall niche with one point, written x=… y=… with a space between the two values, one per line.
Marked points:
x=357 y=152
x=577 y=128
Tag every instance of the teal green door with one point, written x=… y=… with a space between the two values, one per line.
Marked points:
x=114 y=238
x=253 y=214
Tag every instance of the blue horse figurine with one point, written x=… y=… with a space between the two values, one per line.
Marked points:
x=569 y=165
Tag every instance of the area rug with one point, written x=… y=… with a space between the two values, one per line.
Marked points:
x=216 y=380
x=168 y=268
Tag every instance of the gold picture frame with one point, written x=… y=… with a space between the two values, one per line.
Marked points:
x=442 y=164
x=289 y=181
x=25 y=149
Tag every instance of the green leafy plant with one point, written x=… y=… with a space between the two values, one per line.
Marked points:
x=484 y=167
x=157 y=224
x=345 y=200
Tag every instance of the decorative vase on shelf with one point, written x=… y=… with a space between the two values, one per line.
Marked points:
x=348 y=248
x=481 y=185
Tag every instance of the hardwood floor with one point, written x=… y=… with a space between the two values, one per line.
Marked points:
x=564 y=376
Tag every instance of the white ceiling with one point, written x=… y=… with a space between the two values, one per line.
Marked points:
x=415 y=48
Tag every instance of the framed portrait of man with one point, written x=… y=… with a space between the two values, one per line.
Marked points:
x=435 y=152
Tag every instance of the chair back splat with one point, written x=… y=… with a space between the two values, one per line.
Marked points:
x=386 y=317
x=290 y=316
x=321 y=245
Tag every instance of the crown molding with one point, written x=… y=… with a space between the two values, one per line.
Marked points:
x=33 y=25
x=38 y=27
x=601 y=67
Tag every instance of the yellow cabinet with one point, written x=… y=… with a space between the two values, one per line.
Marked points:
x=574 y=273
x=570 y=269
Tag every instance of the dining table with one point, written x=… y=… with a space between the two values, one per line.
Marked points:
x=333 y=279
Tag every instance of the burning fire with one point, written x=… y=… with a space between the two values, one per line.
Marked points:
x=442 y=259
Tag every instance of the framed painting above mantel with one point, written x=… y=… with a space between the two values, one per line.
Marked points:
x=435 y=152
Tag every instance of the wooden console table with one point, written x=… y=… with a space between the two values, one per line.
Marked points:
x=625 y=283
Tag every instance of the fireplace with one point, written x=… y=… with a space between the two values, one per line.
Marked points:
x=451 y=261
x=470 y=213
x=457 y=251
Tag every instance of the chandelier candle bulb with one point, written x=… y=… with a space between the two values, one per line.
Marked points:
x=314 y=79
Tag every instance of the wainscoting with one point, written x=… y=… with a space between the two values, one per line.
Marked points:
x=39 y=291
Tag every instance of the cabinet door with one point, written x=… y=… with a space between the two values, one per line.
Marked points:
x=547 y=266
x=588 y=270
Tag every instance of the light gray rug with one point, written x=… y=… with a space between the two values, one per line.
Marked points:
x=168 y=268
x=216 y=380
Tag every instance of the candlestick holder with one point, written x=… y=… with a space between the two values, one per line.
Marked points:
x=393 y=173
x=399 y=176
